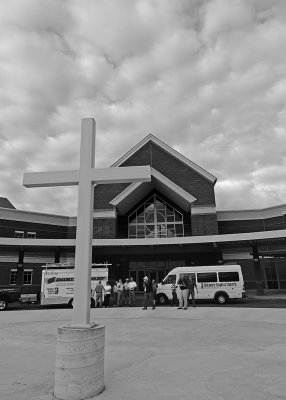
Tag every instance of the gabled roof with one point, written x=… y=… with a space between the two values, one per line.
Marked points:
x=136 y=191
x=169 y=150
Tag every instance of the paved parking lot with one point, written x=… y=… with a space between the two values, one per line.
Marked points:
x=203 y=353
x=276 y=300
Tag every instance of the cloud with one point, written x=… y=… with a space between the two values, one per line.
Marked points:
x=206 y=77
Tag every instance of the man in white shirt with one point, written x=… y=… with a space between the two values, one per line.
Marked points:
x=132 y=288
x=107 y=291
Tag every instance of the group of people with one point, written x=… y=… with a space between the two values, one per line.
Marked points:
x=124 y=293
x=182 y=290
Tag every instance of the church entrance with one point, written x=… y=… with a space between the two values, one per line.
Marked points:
x=153 y=269
x=274 y=269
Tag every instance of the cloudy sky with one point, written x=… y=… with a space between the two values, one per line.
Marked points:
x=206 y=77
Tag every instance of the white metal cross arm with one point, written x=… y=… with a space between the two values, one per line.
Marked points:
x=96 y=176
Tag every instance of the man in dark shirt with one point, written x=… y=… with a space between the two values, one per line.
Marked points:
x=192 y=286
x=98 y=294
x=183 y=284
x=148 y=291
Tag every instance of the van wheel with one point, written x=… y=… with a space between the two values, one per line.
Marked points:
x=162 y=299
x=3 y=304
x=221 y=298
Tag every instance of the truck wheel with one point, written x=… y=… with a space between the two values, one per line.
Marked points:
x=162 y=299
x=221 y=298
x=3 y=304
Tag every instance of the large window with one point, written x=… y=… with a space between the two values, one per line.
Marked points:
x=207 y=277
x=155 y=218
x=13 y=275
x=228 y=276
x=27 y=278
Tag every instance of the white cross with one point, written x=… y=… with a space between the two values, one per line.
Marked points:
x=85 y=177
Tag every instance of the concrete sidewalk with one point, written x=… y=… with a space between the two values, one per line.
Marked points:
x=275 y=295
x=203 y=353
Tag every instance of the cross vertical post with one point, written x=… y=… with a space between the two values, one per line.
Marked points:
x=79 y=372
x=83 y=255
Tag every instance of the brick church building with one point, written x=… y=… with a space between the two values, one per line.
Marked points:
x=150 y=228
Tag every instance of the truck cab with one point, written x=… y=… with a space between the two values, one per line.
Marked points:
x=8 y=295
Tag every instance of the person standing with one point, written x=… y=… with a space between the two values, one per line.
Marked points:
x=132 y=288
x=174 y=294
x=192 y=286
x=107 y=293
x=115 y=293
x=126 y=291
x=148 y=291
x=154 y=290
x=119 y=292
x=98 y=293
x=183 y=284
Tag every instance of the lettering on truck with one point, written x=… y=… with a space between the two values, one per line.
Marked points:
x=218 y=284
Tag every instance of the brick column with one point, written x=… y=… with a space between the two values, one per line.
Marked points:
x=20 y=267
x=219 y=255
x=57 y=255
x=257 y=271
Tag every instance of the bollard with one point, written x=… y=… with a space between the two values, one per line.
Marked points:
x=79 y=372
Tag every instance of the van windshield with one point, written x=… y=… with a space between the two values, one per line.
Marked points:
x=169 y=279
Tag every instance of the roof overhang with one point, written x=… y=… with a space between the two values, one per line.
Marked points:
x=186 y=240
x=135 y=192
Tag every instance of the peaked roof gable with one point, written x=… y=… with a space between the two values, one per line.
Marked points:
x=170 y=151
x=134 y=193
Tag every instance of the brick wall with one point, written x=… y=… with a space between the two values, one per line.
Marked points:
x=204 y=225
x=256 y=225
x=103 y=194
x=175 y=170
x=178 y=172
x=104 y=228
x=43 y=231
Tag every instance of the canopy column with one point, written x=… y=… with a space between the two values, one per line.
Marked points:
x=257 y=271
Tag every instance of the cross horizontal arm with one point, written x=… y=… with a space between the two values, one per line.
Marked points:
x=49 y=179
x=105 y=175
x=121 y=175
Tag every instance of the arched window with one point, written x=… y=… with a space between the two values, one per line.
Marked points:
x=155 y=218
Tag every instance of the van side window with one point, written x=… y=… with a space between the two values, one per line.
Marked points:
x=190 y=276
x=228 y=276
x=170 y=279
x=207 y=277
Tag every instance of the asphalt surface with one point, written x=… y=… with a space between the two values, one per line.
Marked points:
x=203 y=353
x=276 y=300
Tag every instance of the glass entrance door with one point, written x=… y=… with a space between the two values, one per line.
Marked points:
x=271 y=276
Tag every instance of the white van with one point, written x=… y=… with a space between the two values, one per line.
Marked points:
x=215 y=282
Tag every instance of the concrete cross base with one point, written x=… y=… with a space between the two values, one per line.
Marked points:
x=79 y=372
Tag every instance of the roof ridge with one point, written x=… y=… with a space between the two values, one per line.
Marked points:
x=170 y=150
